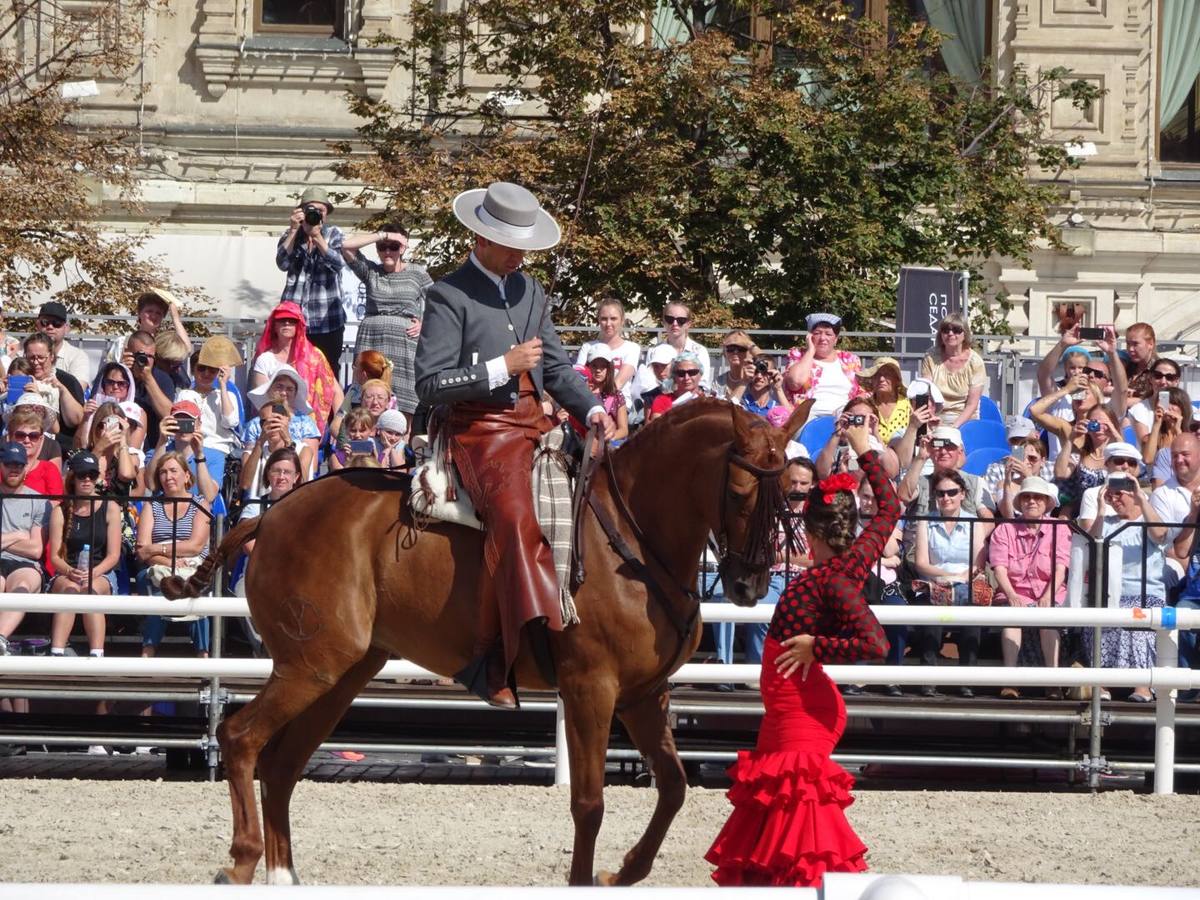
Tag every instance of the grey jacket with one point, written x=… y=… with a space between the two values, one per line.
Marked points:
x=466 y=324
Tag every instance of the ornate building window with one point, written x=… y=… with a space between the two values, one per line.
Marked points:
x=1179 y=82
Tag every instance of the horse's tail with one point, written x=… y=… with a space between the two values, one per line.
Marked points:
x=176 y=588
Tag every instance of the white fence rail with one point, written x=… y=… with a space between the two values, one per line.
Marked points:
x=1164 y=679
x=836 y=887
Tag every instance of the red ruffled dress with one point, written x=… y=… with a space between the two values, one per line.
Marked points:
x=788 y=826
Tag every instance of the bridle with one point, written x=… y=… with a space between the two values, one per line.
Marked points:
x=755 y=552
x=758 y=549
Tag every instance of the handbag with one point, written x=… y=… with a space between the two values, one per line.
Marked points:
x=982 y=591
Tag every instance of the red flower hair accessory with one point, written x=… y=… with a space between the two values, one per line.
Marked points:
x=842 y=481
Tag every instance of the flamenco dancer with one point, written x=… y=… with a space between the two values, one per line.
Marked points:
x=788 y=826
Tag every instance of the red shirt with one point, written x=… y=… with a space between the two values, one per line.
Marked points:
x=828 y=600
x=45 y=479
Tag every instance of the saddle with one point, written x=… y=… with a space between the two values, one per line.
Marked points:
x=438 y=494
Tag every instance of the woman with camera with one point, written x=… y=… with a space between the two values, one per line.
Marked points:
x=269 y=433
x=395 y=305
x=765 y=391
x=1142 y=549
x=835 y=456
x=884 y=384
x=1172 y=417
x=1080 y=463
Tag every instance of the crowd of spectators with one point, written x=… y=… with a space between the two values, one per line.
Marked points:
x=158 y=437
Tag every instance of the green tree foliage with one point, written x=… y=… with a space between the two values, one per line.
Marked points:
x=52 y=173
x=757 y=166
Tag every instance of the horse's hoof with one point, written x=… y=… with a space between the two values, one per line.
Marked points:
x=604 y=879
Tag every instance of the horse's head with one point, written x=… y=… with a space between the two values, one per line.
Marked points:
x=752 y=502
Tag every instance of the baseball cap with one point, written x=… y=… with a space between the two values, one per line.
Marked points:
x=663 y=353
x=1018 y=427
x=53 y=310
x=84 y=461
x=1121 y=449
x=185 y=407
x=948 y=433
x=13 y=453
x=599 y=351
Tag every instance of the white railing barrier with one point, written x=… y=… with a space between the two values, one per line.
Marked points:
x=837 y=886
x=1163 y=679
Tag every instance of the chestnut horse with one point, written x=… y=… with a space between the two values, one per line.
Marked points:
x=341 y=580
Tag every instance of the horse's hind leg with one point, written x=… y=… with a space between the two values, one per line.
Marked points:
x=589 y=711
x=648 y=725
x=242 y=737
x=282 y=761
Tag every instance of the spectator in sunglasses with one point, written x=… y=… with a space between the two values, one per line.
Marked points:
x=1102 y=369
x=54 y=321
x=395 y=305
x=739 y=352
x=956 y=369
x=684 y=385
x=950 y=554
x=765 y=391
x=1163 y=375
x=821 y=372
x=677 y=319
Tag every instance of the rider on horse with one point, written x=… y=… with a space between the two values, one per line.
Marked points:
x=489 y=352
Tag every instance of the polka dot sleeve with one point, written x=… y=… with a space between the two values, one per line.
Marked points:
x=827 y=601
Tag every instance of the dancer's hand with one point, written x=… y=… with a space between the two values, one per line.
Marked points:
x=797 y=654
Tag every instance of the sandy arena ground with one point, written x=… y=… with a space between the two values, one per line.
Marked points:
x=90 y=831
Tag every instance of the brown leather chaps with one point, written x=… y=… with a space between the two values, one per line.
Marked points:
x=492 y=448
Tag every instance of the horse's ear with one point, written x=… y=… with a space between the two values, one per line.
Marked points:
x=741 y=424
x=797 y=419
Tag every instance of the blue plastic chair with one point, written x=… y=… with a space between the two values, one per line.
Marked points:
x=816 y=433
x=989 y=411
x=980 y=433
x=978 y=461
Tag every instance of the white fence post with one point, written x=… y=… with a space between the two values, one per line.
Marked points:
x=1166 y=650
x=562 y=762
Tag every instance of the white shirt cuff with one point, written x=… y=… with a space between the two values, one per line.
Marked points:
x=591 y=412
x=497 y=370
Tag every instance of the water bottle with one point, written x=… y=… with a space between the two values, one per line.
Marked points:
x=85 y=558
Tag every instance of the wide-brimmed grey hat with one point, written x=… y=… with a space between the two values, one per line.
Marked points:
x=509 y=215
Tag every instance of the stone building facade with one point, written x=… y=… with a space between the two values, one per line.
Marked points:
x=241 y=97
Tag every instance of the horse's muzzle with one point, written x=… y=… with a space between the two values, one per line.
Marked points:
x=746 y=589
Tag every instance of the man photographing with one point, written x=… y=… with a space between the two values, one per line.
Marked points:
x=310 y=252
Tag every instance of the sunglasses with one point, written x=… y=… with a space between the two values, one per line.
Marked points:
x=736 y=348
x=390 y=247
x=1127 y=463
x=1097 y=373
x=948 y=492
x=50 y=323
x=23 y=436
x=282 y=322
x=89 y=475
x=206 y=369
x=676 y=320
x=686 y=373
x=951 y=329
x=1165 y=376
x=114 y=383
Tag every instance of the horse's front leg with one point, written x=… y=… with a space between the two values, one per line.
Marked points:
x=588 y=713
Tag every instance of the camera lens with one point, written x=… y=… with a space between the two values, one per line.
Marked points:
x=141 y=359
x=312 y=215
x=761 y=366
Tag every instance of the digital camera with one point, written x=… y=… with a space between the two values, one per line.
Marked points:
x=312 y=215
